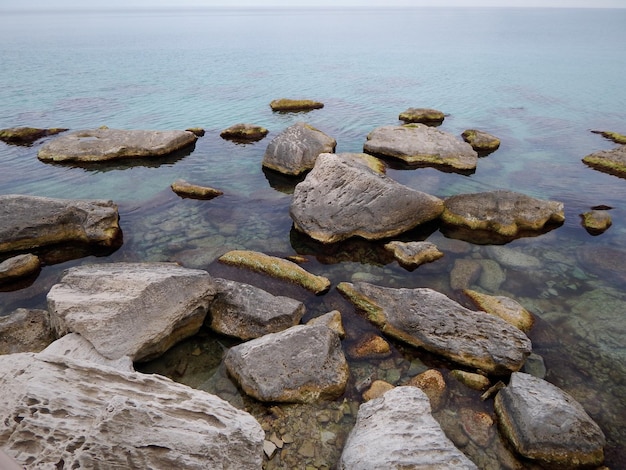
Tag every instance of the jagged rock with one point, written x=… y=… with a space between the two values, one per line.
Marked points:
x=481 y=141
x=302 y=364
x=432 y=383
x=421 y=144
x=26 y=135
x=18 y=267
x=348 y=195
x=104 y=144
x=276 y=267
x=331 y=320
x=77 y=414
x=596 y=221
x=25 y=330
x=29 y=222
x=397 y=430
x=422 y=115
x=296 y=149
x=609 y=161
x=185 y=189
x=197 y=131
x=131 y=309
x=369 y=346
x=545 y=424
x=505 y=213
x=428 y=319
x=247 y=312
x=244 y=133
x=410 y=255
x=504 y=307
x=286 y=105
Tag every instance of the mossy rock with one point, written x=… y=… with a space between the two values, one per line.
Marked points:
x=614 y=136
x=27 y=135
x=609 y=161
x=481 y=141
x=422 y=115
x=289 y=105
x=244 y=133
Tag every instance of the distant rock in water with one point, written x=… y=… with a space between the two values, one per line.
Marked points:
x=481 y=141
x=105 y=144
x=596 y=221
x=291 y=105
x=26 y=135
x=244 y=133
x=422 y=115
x=194 y=191
x=614 y=136
x=609 y=161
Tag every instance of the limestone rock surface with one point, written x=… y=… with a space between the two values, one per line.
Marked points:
x=25 y=330
x=294 y=105
x=422 y=115
x=609 y=161
x=18 y=267
x=412 y=254
x=302 y=364
x=428 y=319
x=104 y=144
x=596 y=221
x=397 y=430
x=86 y=415
x=348 y=195
x=131 y=309
x=26 y=135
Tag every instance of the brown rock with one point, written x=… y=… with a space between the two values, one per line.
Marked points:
x=370 y=346
x=377 y=389
x=286 y=105
x=504 y=307
x=465 y=273
x=18 y=267
x=433 y=385
x=193 y=191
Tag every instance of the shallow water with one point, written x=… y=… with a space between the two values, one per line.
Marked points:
x=540 y=80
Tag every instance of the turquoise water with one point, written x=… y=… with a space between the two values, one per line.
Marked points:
x=540 y=80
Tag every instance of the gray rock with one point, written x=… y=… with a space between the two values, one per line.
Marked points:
x=18 y=267
x=504 y=307
x=412 y=254
x=28 y=222
x=397 y=430
x=465 y=273
x=428 y=319
x=295 y=150
x=302 y=364
x=348 y=195
x=25 y=331
x=131 y=309
x=84 y=415
x=294 y=105
x=609 y=161
x=104 y=144
x=247 y=312
x=547 y=425
x=421 y=144
x=423 y=115
x=513 y=258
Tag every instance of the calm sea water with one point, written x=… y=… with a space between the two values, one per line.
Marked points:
x=538 y=79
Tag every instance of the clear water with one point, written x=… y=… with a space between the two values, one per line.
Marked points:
x=538 y=79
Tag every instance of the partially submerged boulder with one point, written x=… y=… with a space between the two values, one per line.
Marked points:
x=291 y=105
x=244 y=133
x=111 y=144
x=295 y=150
x=25 y=330
x=397 y=430
x=131 y=309
x=18 y=267
x=504 y=307
x=428 y=319
x=481 y=141
x=302 y=364
x=418 y=144
x=422 y=115
x=410 y=255
x=29 y=222
x=545 y=424
x=348 y=195
x=27 y=135
x=194 y=191
x=614 y=136
x=596 y=221
x=609 y=161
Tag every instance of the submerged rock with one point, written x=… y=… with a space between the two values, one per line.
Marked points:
x=25 y=330
x=27 y=135
x=348 y=195
x=428 y=319
x=18 y=267
x=296 y=149
x=504 y=307
x=596 y=221
x=609 y=161
x=547 y=425
x=432 y=383
x=410 y=255
x=194 y=191
x=84 y=415
x=420 y=144
x=481 y=141
x=286 y=104
x=110 y=144
x=614 y=136
x=422 y=115
x=397 y=430
x=302 y=364
x=244 y=133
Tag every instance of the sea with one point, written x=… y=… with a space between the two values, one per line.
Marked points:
x=541 y=80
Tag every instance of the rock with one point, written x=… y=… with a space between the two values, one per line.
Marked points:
x=491 y=276
x=478 y=426
x=244 y=133
x=397 y=430
x=295 y=149
x=377 y=389
x=247 y=312
x=193 y=191
x=432 y=383
x=504 y=307
x=614 y=136
x=302 y=364
x=412 y=254
x=369 y=346
x=290 y=105
x=547 y=425
x=420 y=144
x=505 y=213
x=29 y=222
x=422 y=115
x=18 y=267
x=348 y=195
x=609 y=161
x=473 y=381
x=513 y=258
x=197 y=131
x=25 y=330
x=276 y=267
x=481 y=141
x=26 y=135
x=535 y=366
x=596 y=221
x=131 y=309
x=269 y=448
x=77 y=414
x=331 y=320
x=465 y=273
x=104 y=144
x=428 y=319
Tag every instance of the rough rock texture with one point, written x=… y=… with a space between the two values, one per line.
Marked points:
x=420 y=144
x=504 y=307
x=295 y=150
x=331 y=320
x=276 y=267
x=131 y=309
x=286 y=105
x=194 y=191
x=504 y=212
x=412 y=254
x=397 y=430
x=26 y=135
x=481 y=141
x=302 y=364
x=545 y=424
x=18 y=267
x=25 y=331
x=64 y=413
x=244 y=133
x=197 y=131
x=428 y=319
x=348 y=195
x=247 y=312
x=111 y=144
x=28 y=222
x=609 y=161
x=423 y=115
x=377 y=389
x=432 y=383
x=596 y=221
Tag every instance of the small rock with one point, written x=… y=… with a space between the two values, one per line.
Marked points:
x=193 y=191
x=513 y=258
x=244 y=133
x=492 y=275
x=307 y=449
x=432 y=383
x=535 y=366
x=286 y=105
x=596 y=221
x=481 y=141
x=614 y=136
x=422 y=115
x=18 y=267
x=464 y=273
x=473 y=381
x=277 y=441
x=26 y=135
x=504 y=307
x=377 y=389
x=609 y=161
x=368 y=347
x=412 y=254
